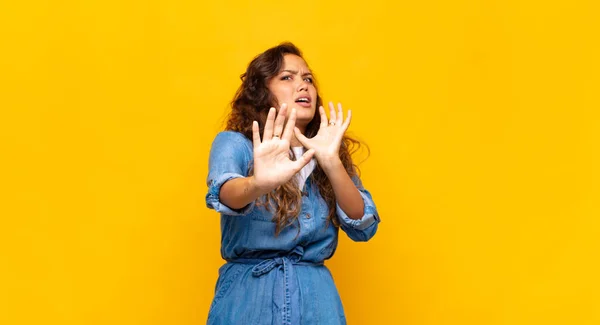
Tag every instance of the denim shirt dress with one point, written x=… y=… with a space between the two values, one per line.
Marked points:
x=276 y=280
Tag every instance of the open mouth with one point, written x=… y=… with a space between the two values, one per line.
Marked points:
x=303 y=101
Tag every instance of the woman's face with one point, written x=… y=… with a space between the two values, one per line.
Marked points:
x=294 y=86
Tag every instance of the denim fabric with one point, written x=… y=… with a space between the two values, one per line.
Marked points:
x=276 y=280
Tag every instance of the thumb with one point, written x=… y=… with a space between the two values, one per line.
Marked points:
x=305 y=159
x=301 y=138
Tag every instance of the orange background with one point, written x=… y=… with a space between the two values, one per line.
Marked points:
x=482 y=119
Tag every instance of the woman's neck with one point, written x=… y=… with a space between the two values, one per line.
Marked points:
x=294 y=142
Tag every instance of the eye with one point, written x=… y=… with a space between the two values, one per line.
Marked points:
x=286 y=78
x=309 y=79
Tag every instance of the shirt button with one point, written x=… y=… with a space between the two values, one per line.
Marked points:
x=308 y=216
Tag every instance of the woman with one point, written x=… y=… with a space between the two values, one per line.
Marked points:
x=283 y=197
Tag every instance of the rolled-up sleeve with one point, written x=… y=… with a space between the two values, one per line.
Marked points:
x=230 y=157
x=364 y=228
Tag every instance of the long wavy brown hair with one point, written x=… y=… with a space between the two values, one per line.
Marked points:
x=252 y=102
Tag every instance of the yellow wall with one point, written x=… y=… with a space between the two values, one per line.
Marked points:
x=482 y=118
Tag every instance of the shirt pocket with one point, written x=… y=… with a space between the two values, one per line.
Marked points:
x=260 y=213
x=320 y=208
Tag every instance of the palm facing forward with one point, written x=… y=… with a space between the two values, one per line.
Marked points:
x=272 y=163
x=326 y=143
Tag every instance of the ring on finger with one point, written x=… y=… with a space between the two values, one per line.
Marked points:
x=331 y=123
x=276 y=136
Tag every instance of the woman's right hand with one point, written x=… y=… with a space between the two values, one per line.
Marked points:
x=272 y=164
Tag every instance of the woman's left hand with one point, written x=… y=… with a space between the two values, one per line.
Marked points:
x=329 y=138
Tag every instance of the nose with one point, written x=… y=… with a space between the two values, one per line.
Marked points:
x=303 y=85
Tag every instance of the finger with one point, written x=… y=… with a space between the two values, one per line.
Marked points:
x=340 y=115
x=304 y=159
x=268 y=133
x=331 y=112
x=323 y=116
x=289 y=126
x=280 y=120
x=347 y=121
x=255 y=134
x=301 y=137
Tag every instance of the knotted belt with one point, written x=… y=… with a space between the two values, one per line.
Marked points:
x=287 y=262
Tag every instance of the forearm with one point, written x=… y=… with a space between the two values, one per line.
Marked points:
x=346 y=194
x=239 y=192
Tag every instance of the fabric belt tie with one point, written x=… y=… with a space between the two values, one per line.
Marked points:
x=264 y=266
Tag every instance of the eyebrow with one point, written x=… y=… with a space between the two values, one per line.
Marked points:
x=296 y=72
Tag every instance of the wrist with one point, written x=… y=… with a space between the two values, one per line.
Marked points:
x=254 y=188
x=330 y=164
